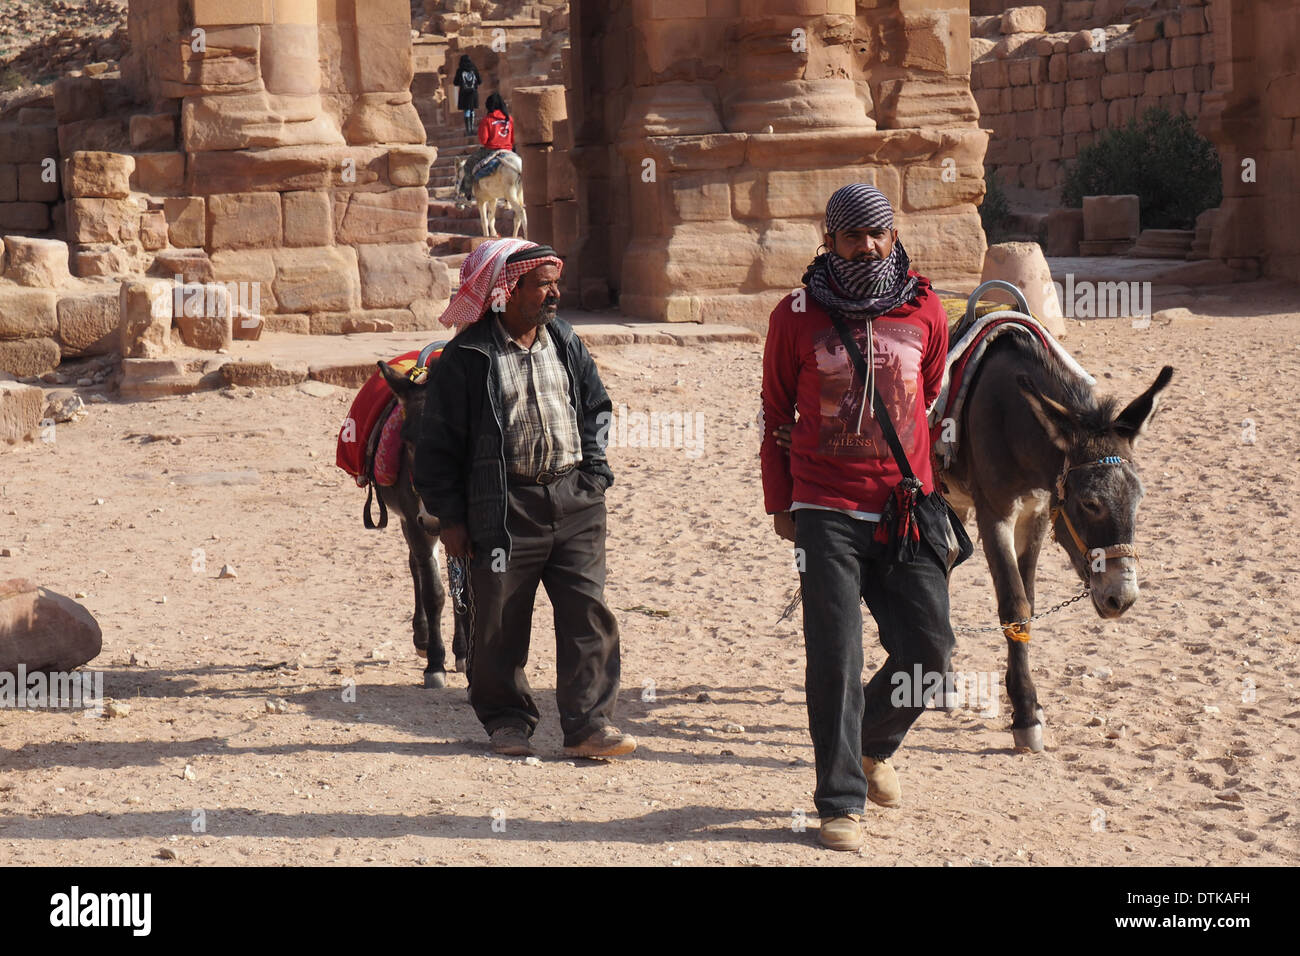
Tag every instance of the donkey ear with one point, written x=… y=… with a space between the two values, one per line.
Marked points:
x=1056 y=419
x=398 y=382
x=1132 y=422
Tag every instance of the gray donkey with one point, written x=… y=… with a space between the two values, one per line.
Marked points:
x=1041 y=452
x=421 y=532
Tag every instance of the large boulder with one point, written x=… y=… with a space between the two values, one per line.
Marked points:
x=20 y=409
x=42 y=263
x=88 y=323
x=25 y=357
x=145 y=318
x=1024 y=266
x=537 y=109
x=204 y=317
x=93 y=174
x=27 y=313
x=1024 y=20
x=1111 y=217
x=44 y=631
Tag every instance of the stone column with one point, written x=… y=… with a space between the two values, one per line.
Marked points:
x=738 y=120
x=1253 y=118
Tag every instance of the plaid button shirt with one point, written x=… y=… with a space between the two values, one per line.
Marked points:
x=541 y=426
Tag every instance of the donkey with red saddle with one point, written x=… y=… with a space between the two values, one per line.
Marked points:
x=377 y=446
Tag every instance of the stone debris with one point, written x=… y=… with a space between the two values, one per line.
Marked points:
x=227 y=571
x=43 y=630
x=116 y=708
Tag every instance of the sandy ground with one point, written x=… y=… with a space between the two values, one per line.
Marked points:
x=1141 y=769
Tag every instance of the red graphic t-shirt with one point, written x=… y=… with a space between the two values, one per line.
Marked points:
x=497 y=131
x=838 y=456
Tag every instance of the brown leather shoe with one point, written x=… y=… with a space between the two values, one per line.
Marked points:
x=882 y=783
x=841 y=833
x=606 y=742
x=511 y=742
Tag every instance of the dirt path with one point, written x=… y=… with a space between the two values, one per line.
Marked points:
x=1140 y=767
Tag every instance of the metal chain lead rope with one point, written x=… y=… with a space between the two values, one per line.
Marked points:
x=798 y=598
x=1051 y=610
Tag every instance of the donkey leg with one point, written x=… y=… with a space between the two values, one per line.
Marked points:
x=419 y=623
x=1031 y=532
x=427 y=605
x=435 y=599
x=998 y=535
x=521 y=213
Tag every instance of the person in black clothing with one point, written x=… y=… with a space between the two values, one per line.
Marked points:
x=468 y=79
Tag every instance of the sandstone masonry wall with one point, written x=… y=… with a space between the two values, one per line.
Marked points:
x=1047 y=96
x=279 y=147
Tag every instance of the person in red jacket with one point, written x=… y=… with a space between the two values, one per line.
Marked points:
x=827 y=491
x=496 y=130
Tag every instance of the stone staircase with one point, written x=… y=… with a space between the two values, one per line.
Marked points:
x=533 y=56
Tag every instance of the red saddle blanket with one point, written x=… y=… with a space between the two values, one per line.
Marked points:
x=370 y=439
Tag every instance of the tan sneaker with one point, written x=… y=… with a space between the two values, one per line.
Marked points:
x=606 y=742
x=841 y=833
x=882 y=783
x=511 y=742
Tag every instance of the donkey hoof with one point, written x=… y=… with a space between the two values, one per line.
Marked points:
x=1028 y=739
x=422 y=653
x=461 y=664
x=435 y=679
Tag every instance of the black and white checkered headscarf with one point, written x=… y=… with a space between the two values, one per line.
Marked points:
x=860 y=290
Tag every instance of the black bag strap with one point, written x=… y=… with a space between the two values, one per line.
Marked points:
x=882 y=413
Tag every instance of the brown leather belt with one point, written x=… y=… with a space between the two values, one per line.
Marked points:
x=545 y=478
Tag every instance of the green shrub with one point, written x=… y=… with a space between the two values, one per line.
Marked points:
x=995 y=211
x=1173 y=170
x=10 y=79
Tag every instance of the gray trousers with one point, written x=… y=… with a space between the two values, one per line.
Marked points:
x=557 y=534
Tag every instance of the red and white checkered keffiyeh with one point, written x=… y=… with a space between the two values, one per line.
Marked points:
x=486 y=270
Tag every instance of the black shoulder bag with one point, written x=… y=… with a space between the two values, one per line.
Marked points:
x=909 y=516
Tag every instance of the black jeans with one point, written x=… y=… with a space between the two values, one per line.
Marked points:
x=910 y=605
x=557 y=534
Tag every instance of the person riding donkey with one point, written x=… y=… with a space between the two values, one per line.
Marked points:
x=496 y=131
x=512 y=464
x=867 y=335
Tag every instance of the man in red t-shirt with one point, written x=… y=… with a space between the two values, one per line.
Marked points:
x=827 y=491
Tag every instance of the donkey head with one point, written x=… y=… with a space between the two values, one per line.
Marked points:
x=1098 y=490
x=411 y=395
